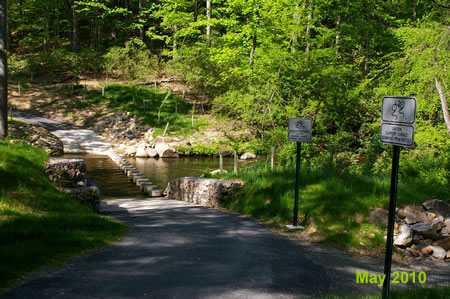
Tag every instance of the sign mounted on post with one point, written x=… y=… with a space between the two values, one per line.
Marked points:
x=398 y=120
x=299 y=129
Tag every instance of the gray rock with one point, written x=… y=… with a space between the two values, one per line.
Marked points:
x=416 y=213
x=404 y=238
x=443 y=243
x=217 y=171
x=437 y=224
x=141 y=152
x=151 y=152
x=89 y=195
x=438 y=252
x=248 y=156
x=426 y=230
x=438 y=207
x=66 y=172
x=166 y=151
x=202 y=191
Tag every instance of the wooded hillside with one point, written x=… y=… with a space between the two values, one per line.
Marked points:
x=261 y=61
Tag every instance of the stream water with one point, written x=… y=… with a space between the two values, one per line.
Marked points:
x=114 y=184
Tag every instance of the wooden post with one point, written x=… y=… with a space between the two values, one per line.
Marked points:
x=165 y=130
x=220 y=163
x=272 y=160
x=235 y=166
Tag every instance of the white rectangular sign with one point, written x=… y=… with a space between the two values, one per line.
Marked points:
x=397 y=135
x=299 y=129
x=398 y=120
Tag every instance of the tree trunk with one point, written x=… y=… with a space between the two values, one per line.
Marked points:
x=141 y=29
x=443 y=103
x=308 y=28
x=74 y=28
x=174 y=48
x=3 y=72
x=338 y=26
x=414 y=10
x=297 y=17
x=208 y=25
x=253 y=49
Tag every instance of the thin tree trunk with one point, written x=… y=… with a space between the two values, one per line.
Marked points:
x=253 y=49
x=3 y=72
x=297 y=17
x=338 y=26
x=74 y=28
x=141 y=29
x=174 y=48
x=443 y=103
x=308 y=29
x=208 y=25
x=414 y=10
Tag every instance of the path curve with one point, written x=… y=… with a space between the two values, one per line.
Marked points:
x=75 y=140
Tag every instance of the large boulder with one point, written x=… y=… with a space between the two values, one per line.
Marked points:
x=141 y=152
x=166 y=151
x=151 y=152
x=438 y=207
x=66 y=172
x=248 y=156
x=202 y=191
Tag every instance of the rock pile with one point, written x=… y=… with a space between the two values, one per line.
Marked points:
x=37 y=137
x=202 y=191
x=423 y=231
x=69 y=175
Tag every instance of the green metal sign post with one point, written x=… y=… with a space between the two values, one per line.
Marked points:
x=299 y=131
x=398 y=120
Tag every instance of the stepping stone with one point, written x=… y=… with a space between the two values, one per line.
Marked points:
x=136 y=177
x=131 y=173
x=143 y=180
x=146 y=185
x=154 y=192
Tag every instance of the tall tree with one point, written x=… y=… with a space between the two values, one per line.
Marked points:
x=75 y=45
x=3 y=72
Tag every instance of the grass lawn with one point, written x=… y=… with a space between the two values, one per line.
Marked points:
x=336 y=204
x=38 y=224
x=147 y=103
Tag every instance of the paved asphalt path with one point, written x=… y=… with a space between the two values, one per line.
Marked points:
x=179 y=250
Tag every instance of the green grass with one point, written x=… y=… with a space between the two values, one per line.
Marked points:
x=38 y=224
x=416 y=293
x=336 y=204
x=120 y=97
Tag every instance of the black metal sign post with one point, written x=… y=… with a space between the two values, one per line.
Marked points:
x=398 y=120
x=299 y=131
x=297 y=184
x=391 y=220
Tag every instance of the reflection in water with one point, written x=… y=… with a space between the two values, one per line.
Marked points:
x=114 y=184
x=111 y=180
x=160 y=171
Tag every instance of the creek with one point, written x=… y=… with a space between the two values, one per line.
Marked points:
x=113 y=183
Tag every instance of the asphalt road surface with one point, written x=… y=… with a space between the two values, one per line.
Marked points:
x=180 y=250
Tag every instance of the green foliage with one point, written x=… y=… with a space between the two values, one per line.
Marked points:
x=40 y=225
x=269 y=196
x=133 y=62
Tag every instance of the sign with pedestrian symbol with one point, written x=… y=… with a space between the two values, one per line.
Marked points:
x=299 y=129
x=398 y=120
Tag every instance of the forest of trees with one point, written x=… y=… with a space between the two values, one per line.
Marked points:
x=258 y=61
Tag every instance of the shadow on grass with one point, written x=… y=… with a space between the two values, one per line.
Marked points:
x=335 y=203
x=147 y=102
